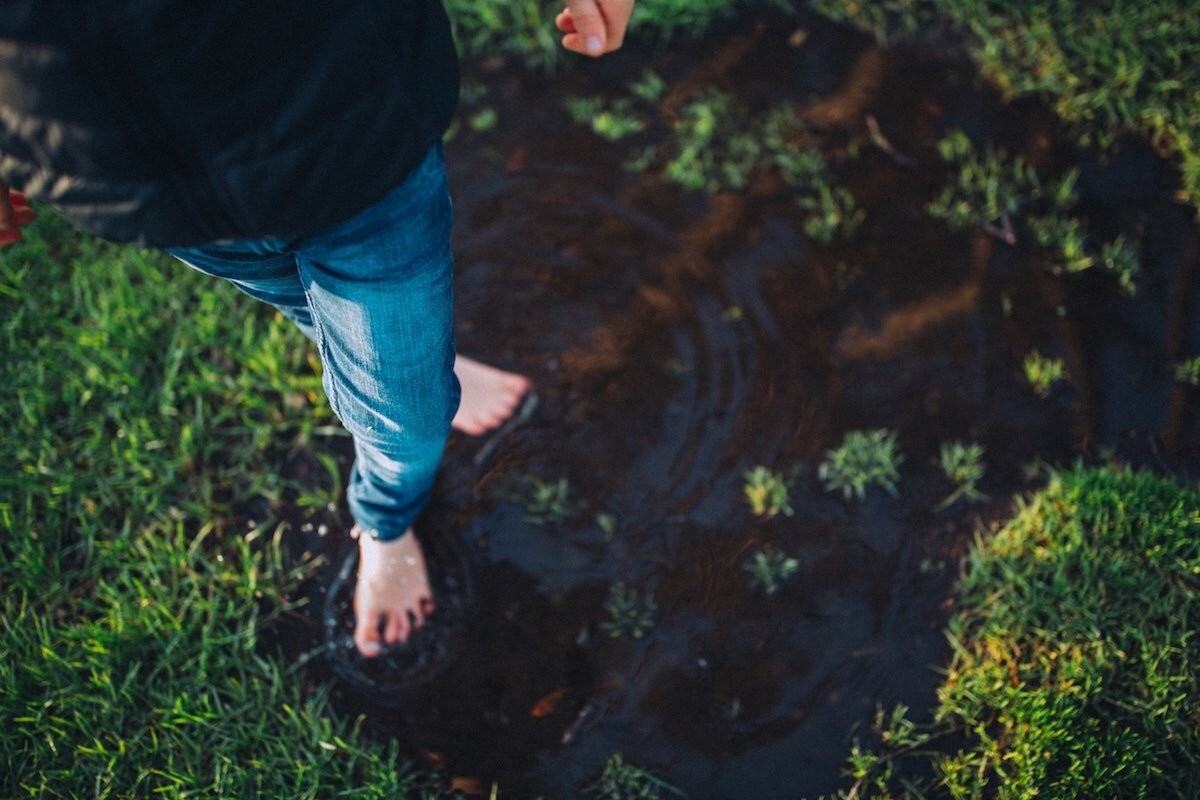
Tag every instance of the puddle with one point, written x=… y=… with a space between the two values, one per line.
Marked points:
x=612 y=291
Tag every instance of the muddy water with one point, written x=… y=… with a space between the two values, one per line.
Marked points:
x=611 y=291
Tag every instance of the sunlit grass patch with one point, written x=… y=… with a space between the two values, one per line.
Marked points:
x=148 y=405
x=1076 y=658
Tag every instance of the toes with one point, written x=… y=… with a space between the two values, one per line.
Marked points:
x=396 y=629
x=470 y=427
x=366 y=636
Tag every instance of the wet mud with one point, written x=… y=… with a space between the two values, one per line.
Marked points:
x=613 y=291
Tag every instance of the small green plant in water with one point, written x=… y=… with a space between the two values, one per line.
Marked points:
x=999 y=194
x=483 y=120
x=770 y=569
x=767 y=493
x=1044 y=373
x=711 y=148
x=987 y=188
x=630 y=613
x=832 y=213
x=607 y=523
x=622 y=781
x=548 y=503
x=714 y=142
x=864 y=458
x=1188 y=371
x=962 y=464
x=651 y=87
x=612 y=121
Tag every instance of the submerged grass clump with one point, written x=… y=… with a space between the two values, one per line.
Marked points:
x=1043 y=373
x=1076 y=660
x=621 y=780
x=963 y=465
x=767 y=492
x=547 y=502
x=1004 y=196
x=1187 y=371
x=714 y=142
x=630 y=612
x=864 y=459
x=768 y=569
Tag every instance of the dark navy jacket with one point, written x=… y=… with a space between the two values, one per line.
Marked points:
x=175 y=122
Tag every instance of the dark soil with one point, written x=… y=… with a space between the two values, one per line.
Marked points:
x=608 y=289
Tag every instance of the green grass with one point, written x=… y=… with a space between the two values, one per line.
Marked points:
x=1005 y=197
x=862 y=460
x=769 y=569
x=1076 y=655
x=1077 y=664
x=1043 y=373
x=620 y=780
x=714 y=142
x=767 y=492
x=147 y=406
x=1107 y=68
x=524 y=29
x=150 y=406
x=630 y=612
x=963 y=465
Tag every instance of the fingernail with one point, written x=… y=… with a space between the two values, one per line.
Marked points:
x=371 y=648
x=594 y=45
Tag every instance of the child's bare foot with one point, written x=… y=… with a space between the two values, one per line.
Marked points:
x=392 y=598
x=489 y=395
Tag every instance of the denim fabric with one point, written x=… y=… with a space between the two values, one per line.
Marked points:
x=374 y=293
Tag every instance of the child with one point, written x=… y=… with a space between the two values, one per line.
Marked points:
x=298 y=156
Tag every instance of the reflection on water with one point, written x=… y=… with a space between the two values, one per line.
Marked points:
x=617 y=294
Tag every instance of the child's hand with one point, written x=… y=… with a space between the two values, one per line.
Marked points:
x=14 y=212
x=594 y=27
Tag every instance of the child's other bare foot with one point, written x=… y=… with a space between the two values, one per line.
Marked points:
x=489 y=396
x=392 y=598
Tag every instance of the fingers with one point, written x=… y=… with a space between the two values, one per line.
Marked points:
x=23 y=215
x=594 y=27
x=14 y=212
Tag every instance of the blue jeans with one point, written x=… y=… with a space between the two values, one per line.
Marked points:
x=374 y=293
